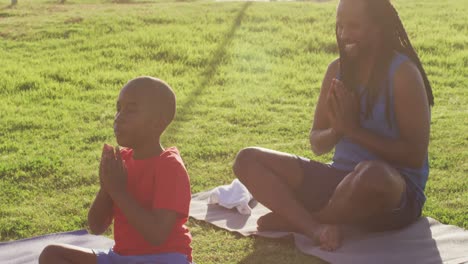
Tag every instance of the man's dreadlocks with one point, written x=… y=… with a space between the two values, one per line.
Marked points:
x=395 y=37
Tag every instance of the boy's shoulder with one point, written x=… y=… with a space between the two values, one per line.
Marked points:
x=168 y=154
x=171 y=154
x=126 y=153
x=171 y=159
x=171 y=151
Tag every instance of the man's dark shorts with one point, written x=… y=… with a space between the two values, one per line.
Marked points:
x=321 y=180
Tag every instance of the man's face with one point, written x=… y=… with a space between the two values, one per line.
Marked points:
x=132 y=123
x=356 y=33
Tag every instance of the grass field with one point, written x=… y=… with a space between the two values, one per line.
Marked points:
x=245 y=73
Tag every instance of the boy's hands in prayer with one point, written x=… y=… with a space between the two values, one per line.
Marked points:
x=343 y=109
x=106 y=149
x=112 y=171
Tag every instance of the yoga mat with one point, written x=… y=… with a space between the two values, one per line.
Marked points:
x=27 y=251
x=426 y=241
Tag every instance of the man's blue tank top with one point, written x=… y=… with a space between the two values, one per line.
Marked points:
x=348 y=154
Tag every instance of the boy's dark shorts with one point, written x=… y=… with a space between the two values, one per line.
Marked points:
x=321 y=180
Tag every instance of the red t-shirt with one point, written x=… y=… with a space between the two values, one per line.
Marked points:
x=158 y=182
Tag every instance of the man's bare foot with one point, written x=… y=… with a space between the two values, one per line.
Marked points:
x=328 y=236
x=274 y=222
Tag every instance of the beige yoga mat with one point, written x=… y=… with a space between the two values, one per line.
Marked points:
x=426 y=241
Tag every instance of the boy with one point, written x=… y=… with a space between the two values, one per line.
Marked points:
x=145 y=188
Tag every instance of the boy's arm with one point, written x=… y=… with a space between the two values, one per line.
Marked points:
x=100 y=213
x=155 y=225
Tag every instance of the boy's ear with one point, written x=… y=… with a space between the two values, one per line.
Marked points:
x=158 y=124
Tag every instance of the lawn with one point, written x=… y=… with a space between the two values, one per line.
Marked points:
x=245 y=73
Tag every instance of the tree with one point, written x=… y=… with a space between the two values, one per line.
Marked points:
x=14 y=2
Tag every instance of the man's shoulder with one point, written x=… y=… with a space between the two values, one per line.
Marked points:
x=407 y=68
x=407 y=72
x=334 y=65
x=333 y=68
x=408 y=80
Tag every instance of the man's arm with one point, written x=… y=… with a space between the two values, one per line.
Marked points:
x=100 y=213
x=322 y=136
x=413 y=120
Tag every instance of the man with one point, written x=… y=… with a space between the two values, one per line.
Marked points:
x=374 y=110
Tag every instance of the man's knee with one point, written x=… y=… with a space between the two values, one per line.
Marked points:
x=377 y=178
x=244 y=158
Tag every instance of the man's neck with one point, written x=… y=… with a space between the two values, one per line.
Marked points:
x=366 y=63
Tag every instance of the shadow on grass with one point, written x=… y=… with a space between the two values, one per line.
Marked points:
x=207 y=75
x=278 y=250
x=10 y=6
x=129 y=2
x=265 y=250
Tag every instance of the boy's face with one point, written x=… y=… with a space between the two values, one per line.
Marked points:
x=133 y=121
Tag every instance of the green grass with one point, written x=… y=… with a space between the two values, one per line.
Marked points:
x=244 y=74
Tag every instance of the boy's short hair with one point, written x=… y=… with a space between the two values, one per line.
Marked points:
x=158 y=95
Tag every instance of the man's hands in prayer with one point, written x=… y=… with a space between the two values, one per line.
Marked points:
x=343 y=109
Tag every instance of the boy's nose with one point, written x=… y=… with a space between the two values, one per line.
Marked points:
x=117 y=118
x=117 y=122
